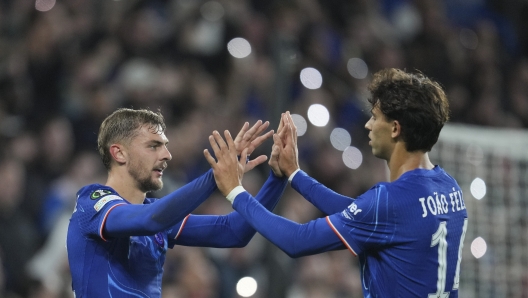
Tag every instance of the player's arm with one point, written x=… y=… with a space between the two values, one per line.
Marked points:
x=229 y=230
x=293 y=238
x=128 y=219
x=319 y=195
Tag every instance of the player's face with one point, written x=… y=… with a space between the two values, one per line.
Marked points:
x=148 y=156
x=380 y=134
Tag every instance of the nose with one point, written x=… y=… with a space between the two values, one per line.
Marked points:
x=166 y=154
x=368 y=125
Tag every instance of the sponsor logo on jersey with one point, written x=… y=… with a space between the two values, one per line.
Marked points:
x=353 y=208
x=102 y=202
x=99 y=194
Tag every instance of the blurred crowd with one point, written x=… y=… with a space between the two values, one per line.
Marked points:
x=63 y=70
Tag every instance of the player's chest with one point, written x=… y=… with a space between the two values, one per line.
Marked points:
x=147 y=252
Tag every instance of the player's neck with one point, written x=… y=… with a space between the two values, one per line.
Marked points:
x=402 y=161
x=125 y=186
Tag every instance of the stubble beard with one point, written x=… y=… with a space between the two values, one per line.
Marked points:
x=144 y=182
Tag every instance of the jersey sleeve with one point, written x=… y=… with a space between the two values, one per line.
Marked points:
x=325 y=199
x=160 y=214
x=295 y=239
x=367 y=223
x=230 y=230
x=92 y=212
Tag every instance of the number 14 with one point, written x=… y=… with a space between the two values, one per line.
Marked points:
x=439 y=238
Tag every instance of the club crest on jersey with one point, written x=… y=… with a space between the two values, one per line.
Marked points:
x=99 y=194
x=159 y=239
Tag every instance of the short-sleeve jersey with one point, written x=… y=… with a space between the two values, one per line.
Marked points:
x=408 y=235
x=116 y=267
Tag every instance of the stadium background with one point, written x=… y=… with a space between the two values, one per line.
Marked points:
x=65 y=65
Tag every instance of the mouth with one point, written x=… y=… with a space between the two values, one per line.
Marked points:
x=159 y=170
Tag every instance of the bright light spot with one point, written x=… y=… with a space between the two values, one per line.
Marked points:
x=468 y=39
x=246 y=286
x=357 y=68
x=239 y=47
x=478 y=188
x=318 y=115
x=300 y=124
x=212 y=11
x=474 y=154
x=478 y=247
x=340 y=138
x=44 y=5
x=311 y=78
x=352 y=157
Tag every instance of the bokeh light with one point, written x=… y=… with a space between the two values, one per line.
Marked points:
x=352 y=157
x=478 y=188
x=357 y=68
x=300 y=124
x=239 y=47
x=246 y=286
x=318 y=115
x=212 y=11
x=340 y=138
x=478 y=247
x=468 y=38
x=311 y=78
x=44 y=5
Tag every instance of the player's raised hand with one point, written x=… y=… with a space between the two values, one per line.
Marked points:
x=287 y=143
x=275 y=150
x=228 y=169
x=250 y=139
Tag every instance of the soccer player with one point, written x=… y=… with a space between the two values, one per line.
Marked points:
x=117 y=238
x=408 y=233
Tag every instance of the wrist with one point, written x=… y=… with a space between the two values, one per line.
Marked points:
x=290 y=177
x=235 y=192
x=290 y=171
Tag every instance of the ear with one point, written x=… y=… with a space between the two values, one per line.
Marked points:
x=118 y=153
x=396 y=129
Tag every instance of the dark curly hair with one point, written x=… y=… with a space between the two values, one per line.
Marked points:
x=123 y=125
x=418 y=103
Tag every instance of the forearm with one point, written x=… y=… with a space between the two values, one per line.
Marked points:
x=229 y=230
x=325 y=199
x=148 y=219
x=293 y=238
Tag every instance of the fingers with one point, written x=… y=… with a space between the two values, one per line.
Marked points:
x=242 y=132
x=209 y=158
x=243 y=157
x=292 y=126
x=229 y=139
x=254 y=131
x=259 y=140
x=277 y=141
x=281 y=124
x=262 y=127
x=255 y=162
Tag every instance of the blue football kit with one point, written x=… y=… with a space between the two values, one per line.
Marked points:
x=408 y=234
x=117 y=249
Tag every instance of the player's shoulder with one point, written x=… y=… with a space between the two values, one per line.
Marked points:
x=96 y=196
x=95 y=192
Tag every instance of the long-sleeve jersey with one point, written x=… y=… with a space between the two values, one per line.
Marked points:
x=117 y=249
x=408 y=234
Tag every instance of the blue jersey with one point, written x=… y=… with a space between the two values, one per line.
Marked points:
x=408 y=235
x=132 y=266
x=118 y=267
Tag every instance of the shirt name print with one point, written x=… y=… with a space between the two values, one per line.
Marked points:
x=438 y=203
